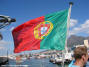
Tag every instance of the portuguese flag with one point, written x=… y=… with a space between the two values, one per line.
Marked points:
x=45 y=32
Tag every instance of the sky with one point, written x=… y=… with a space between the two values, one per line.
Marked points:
x=24 y=10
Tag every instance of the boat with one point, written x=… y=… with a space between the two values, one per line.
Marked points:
x=58 y=59
x=3 y=60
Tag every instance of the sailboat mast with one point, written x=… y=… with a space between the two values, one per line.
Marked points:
x=7 y=56
x=68 y=23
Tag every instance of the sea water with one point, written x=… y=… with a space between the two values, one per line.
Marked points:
x=32 y=63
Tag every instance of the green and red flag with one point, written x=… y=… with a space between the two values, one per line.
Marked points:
x=45 y=32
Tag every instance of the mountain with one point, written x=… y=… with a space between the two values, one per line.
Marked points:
x=74 y=40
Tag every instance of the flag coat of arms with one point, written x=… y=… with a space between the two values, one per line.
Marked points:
x=45 y=32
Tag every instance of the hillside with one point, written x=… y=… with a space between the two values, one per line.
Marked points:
x=76 y=40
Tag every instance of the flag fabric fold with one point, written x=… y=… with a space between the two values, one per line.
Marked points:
x=45 y=32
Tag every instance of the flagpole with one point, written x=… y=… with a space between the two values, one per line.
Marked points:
x=68 y=23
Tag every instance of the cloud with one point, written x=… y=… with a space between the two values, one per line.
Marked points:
x=83 y=28
x=2 y=48
x=85 y=25
x=88 y=32
x=5 y=45
x=2 y=42
x=73 y=22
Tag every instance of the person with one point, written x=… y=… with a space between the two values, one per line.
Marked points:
x=87 y=64
x=80 y=57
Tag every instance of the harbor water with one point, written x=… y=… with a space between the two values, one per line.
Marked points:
x=32 y=63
